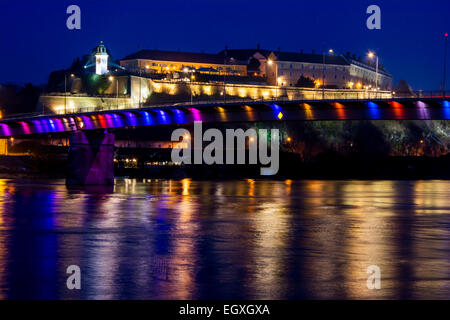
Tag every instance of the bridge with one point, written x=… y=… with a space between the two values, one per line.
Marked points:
x=91 y=152
x=436 y=108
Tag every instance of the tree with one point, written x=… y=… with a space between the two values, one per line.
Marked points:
x=305 y=82
x=403 y=88
x=76 y=67
x=16 y=99
x=29 y=96
x=95 y=84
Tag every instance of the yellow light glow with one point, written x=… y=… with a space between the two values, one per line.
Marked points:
x=207 y=90
x=242 y=92
x=280 y=116
x=186 y=183
x=308 y=111
x=171 y=88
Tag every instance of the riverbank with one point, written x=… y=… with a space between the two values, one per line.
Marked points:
x=325 y=166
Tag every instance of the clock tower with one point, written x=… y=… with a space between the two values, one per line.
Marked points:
x=101 y=60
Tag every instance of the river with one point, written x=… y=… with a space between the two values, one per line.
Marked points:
x=239 y=239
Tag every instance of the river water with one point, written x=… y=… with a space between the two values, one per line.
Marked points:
x=241 y=239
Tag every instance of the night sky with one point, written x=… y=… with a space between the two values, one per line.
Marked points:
x=34 y=38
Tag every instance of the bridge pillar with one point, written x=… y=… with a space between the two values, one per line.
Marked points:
x=91 y=158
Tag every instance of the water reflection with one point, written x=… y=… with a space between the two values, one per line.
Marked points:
x=248 y=239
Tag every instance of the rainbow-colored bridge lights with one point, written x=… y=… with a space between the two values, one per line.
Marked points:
x=399 y=109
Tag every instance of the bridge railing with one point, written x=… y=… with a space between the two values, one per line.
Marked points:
x=306 y=96
x=426 y=94
x=287 y=95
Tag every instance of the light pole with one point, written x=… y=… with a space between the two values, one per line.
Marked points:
x=140 y=85
x=111 y=78
x=224 y=76
x=65 y=91
x=188 y=71
x=277 y=79
x=323 y=72
x=371 y=55
x=444 y=85
x=279 y=82
x=192 y=79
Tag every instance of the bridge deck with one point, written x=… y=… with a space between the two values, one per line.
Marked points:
x=399 y=109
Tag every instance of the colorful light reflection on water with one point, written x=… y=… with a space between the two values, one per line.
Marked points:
x=166 y=239
x=374 y=110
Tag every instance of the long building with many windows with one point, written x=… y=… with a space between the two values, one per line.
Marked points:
x=174 y=61
x=329 y=70
x=277 y=67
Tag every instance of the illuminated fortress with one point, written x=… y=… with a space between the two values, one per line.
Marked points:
x=155 y=77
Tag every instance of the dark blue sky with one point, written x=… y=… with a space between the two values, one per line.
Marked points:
x=34 y=38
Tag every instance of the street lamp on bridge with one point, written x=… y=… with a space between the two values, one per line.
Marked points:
x=445 y=65
x=371 y=55
x=111 y=78
x=323 y=72
x=65 y=91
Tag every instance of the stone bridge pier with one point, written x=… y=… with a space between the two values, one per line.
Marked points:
x=91 y=158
